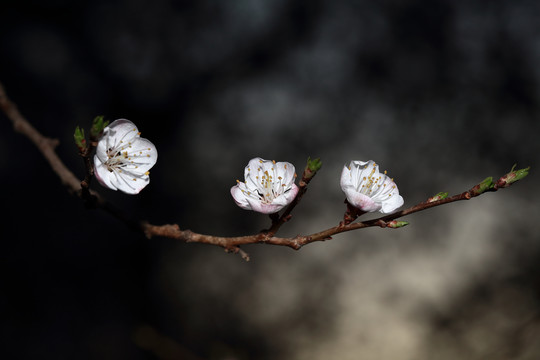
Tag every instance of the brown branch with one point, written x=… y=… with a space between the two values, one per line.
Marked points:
x=89 y=196
x=384 y=220
x=278 y=221
x=44 y=144
x=47 y=147
x=173 y=231
x=230 y=244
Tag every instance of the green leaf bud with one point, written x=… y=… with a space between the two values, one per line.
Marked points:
x=394 y=224
x=79 y=138
x=512 y=177
x=97 y=127
x=437 y=197
x=313 y=165
x=482 y=187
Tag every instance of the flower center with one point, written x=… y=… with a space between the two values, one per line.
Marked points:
x=268 y=188
x=376 y=186
x=370 y=184
x=116 y=158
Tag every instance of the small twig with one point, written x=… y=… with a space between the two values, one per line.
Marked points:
x=277 y=222
x=47 y=147
x=86 y=154
x=351 y=214
x=44 y=144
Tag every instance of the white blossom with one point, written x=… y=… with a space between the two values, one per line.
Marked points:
x=123 y=159
x=269 y=186
x=369 y=190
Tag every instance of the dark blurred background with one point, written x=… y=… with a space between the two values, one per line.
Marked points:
x=440 y=93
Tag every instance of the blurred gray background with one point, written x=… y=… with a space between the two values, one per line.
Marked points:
x=440 y=93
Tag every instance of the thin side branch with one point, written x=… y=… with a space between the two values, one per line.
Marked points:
x=277 y=222
x=45 y=145
x=173 y=230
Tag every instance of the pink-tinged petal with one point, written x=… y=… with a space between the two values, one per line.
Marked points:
x=103 y=175
x=258 y=206
x=369 y=190
x=240 y=198
x=361 y=201
x=101 y=151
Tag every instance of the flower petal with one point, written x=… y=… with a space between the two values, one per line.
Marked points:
x=130 y=183
x=287 y=197
x=287 y=171
x=124 y=181
x=259 y=206
x=392 y=203
x=103 y=175
x=142 y=155
x=121 y=130
x=346 y=177
x=240 y=198
x=361 y=201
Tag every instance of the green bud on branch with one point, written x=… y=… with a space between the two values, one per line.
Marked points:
x=80 y=139
x=97 y=127
x=315 y=164
x=311 y=168
x=482 y=187
x=512 y=177
x=437 y=197
x=394 y=224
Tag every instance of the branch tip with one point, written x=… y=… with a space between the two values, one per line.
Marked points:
x=237 y=250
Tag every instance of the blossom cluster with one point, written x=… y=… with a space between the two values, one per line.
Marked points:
x=123 y=160
x=269 y=187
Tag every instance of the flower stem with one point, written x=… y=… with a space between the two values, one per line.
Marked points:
x=307 y=175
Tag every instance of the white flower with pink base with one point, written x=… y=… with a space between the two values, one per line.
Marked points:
x=369 y=190
x=123 y=159
x=269 y=186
